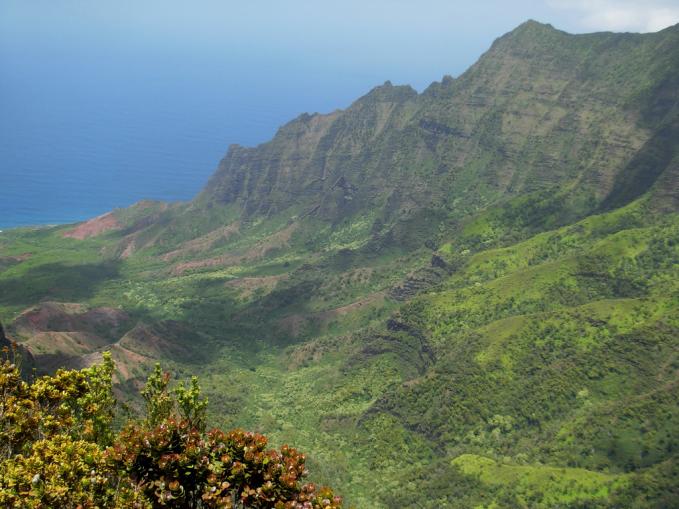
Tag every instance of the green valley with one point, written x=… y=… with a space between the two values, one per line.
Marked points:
x=467 y=297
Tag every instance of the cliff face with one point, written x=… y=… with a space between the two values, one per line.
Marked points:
x=321 y=162
x=542 y=109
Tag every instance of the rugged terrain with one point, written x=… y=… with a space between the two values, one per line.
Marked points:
x=465 y=297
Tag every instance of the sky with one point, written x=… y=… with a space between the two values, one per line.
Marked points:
x=405 y=41
x=119 y=100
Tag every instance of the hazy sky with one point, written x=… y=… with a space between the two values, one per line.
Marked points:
x=406 y=41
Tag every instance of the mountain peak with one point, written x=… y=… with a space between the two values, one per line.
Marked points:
x=531 y=30
x=529 y=38
x=532 y=24
x=387 y=92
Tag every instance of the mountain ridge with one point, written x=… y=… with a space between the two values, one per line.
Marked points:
x=330 y=160
x=464 y=297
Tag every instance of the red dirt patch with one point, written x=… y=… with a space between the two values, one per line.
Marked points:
x=94 y=227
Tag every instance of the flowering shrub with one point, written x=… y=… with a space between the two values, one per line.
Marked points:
x=60 y=472
x=58 y=449
x=177 y=466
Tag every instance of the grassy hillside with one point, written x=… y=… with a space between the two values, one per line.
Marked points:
x=462 y=298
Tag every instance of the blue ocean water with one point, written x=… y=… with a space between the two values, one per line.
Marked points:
x=103 y=104
x=106 y=103
x=82 y=133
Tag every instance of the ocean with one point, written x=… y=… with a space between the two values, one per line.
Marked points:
x=83 y=133
x=103 y=104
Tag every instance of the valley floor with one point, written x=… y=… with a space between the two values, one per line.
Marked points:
x=502 y=369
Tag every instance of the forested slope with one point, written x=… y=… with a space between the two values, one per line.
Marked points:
x=464 y=297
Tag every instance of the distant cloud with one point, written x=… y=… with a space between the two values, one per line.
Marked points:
x=622 y=15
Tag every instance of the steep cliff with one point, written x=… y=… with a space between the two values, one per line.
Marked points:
x=541 y=109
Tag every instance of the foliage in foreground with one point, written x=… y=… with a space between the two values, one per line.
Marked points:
x=58 y=449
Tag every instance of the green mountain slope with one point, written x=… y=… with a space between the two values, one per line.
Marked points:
x=540 y=108
x=463 y=298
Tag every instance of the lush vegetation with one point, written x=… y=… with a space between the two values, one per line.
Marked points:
x=461 y=298
x=59 y=449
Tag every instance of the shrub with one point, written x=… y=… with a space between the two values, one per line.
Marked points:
x=59 y=449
